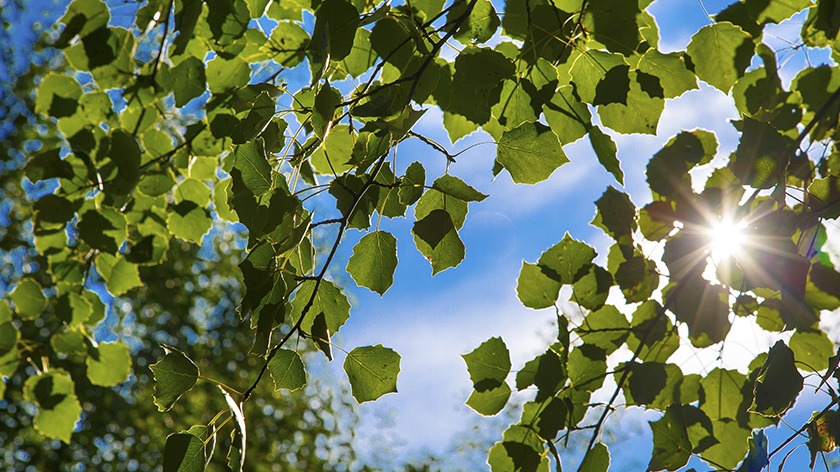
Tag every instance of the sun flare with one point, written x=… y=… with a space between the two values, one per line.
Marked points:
x=728 y=239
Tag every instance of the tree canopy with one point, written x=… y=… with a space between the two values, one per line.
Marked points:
x=166 y=166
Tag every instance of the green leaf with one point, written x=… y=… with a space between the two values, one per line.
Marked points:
x=287 y=43
x=109 y=364
x=324 y=109
x=156 y=183
x=547 y=417
x=73 y=309
x=640 y=113
x=28 y=298
x=530 y=153
x=596 y=459
x=329 y=300
x=606 y=151
x=48 y=165
x=670 y=69
x=103 y=229
x=701 y=306
x=656 y=385
x=9 y=337
x=335 y=27
x=82 y=17
x=722 y=394
x=480 y=24
x=287 y=370
x=567 y=261
x=374 y=261
x=606 y=328
x=721 y=52
x=188 y=80
x=535 y=289
x=455 y=187
x=824 y=196
x=189 y=221
x=758 y=160
x=616 y=215
x=775 y=11
x=188 y=451
x=58 y=408
x=518 y=103
x=811 y=350
x=671 y=446
x=547 y=372
x=591 y=68
x=587 y=367
x=488 y=364
x=372 y=371
x=252 y=168
x=778 y=382
x=489 y=402
x=68 y=341
x=175 y=375
x=662 y=340
x=411 y=188
x=225 y=75
x=119 y=274
x=192 y=190
x=591 y=290
x=567 y=117
x=257 y=120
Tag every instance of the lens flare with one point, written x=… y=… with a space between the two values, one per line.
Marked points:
x=728 y=239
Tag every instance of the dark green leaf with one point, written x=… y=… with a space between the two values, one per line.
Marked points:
x=671 y=446
x=606 y=328
x=335 y=27
x=587 y=367
x=412 y=184
x=778 y=382
x=287 y=370
x=606 y=151
x=187 y=451
x=103 y=229
x=225 y=75
x=596 y=459
x=175 y=375
x=758 y=159
x=591 y=290
x=671 y=70
x=188 y=80
x=480 y=24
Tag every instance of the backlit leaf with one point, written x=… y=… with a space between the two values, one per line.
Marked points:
x=531 y=153
x=489 y=402
x=109 y=364
x=372 y=371
x=535 y=289
x=721 y=53
x=671 y=446
x=29 y=299
x=287 y=370
x=175 y=375
x=374 y=261
x=488 y=364
x=58 y=408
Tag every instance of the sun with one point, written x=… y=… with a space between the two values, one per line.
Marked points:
x=728 y=238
